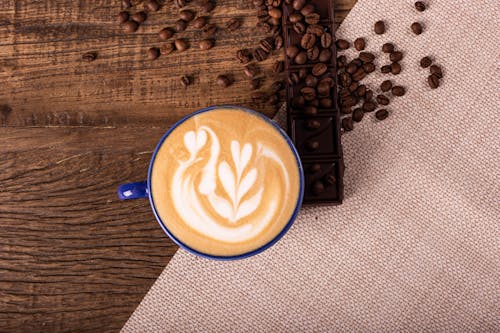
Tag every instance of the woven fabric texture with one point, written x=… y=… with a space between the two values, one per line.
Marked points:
x=415 y=245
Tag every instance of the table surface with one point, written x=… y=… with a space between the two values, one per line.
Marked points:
x=73 y=257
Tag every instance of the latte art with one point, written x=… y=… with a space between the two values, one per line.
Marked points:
x=223 y=190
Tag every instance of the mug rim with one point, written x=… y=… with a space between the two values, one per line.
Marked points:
x=266 y=245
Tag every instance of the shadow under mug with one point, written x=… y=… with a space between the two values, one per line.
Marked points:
x=142 y=189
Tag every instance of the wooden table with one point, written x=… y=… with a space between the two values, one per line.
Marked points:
x=73 y=257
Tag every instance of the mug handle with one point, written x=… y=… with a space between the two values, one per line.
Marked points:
x=138 y=190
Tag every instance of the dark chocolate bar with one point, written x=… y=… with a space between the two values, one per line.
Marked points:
x=311 y=94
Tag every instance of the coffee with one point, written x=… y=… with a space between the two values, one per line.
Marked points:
x=225 y=182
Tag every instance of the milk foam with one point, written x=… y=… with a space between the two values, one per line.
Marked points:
x=224 y=185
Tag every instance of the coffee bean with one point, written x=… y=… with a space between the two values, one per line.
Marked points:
x=319 y=69
x=420 y=6
x=255 y=83
x=298 y=4
x=123 y=17
x=368 y=95
x=151 y=5
x=89 y=56
x=207 y=7
x=316 y=30
x=366 y=57
x=295 y=17
x=359 y=75
x=260 y=55
x=359 y=44
x=395 y=68
x=325 y=55
x=381 y=114
x=357 y=62
x=313 y=53
x=263 y=15
x=344 y=93
x=436 y=70
x=244 y=56
x=313 y=124
x=369 y=106
x=278 y=67
x=311 y=81
x=396 y=56
x=278 y=42
x=383 y=100
x=273 y=100
x=357 y=115
x=209 y=30
x=312 y=145
x=181 y=45
x=307 y=9
x=386 y=85
x=353 y=87
x=185 y=81
x=274 y=21
x=180 y=3
x=233 y=24
x=349 y=101
x=293 y=79
x=153 y=53
x=139 y=17
x=251 y=70
x=425 y=62
x=258 y=3
x=314 y=102
x=302 y=73
x=200 y=22
x=277 y=86
x=379 y=27
x=301 y=58
x=267 y=44
x=326 y=103
x=317 y=188
x=206 y=44
x=416 y=28
x=165 y=33
x=351 y=68
x=398 y=91
x=298 y=101
x=433 y=81
x=326 y=40
x=126 y=4
x=369 y=67
x=258 y=96
x=308 y=41
x=388 y=48
x=342 y=44
x=299 y=27
x=292 y=51
x=385 y=69
x=275 y=12
x=346 y=109
x=167 y=48
x=347 y=124
x=323 y=89
x=308 y=93
x=180 y=25
x=345 y=80
x=341 y=61
x=361 y=91
x=311 y=111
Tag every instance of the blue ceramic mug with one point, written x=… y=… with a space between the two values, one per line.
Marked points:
x=143 y=189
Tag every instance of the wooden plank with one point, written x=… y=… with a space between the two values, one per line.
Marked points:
x=72 y=256
x=45 y=82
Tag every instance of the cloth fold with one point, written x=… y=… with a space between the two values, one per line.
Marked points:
x=414 y=247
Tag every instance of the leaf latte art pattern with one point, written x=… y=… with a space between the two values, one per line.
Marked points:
x=223 y=196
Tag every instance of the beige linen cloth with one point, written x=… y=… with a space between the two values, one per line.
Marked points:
x=415 y=245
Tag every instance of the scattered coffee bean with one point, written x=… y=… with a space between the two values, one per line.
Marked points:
x=436 y=70
x=398 y=91
x=326 y=40
x=206 y=44
x=341 y=61
x=298 y=4
x=259 y=54
x=388 y=48
x=180 y=25
x=396 y=56
x=167 y=48
x=366 y=57
x=308 y=41
x=359 y=75
x=181 y=45
x=345 y=79
x=379 y=27
x=185 y=81
x=349 y=101
x=381 y=114
x=301 y=58
x=361 y=91
x=278 y=67
x=153 y=53
x=316 y=30
x=313 y=53
x=346 y=109
x=313 y=124
x=425 y=62
x=368 y=95
x=275 y=12
x=351 y=68
x=292 y=51
x=357 y=62
x=319 y=69
x=395 y=68
x=310 y=111
x=317 y=188
x=267 y=44
x=209 y=30
x=299 y=27
x=325 y=55
x=180 y=3
x=151 y=5
x=207 y=7
x=139 y=17
x=126 y=4
x=433 y=81
x=251 y=70
x=342 y=44
x=357 y=115
x=416 y=28
x=255 y=83
x=386 y=85
x=312 y=18
x=200 y=22
x=223 y=81
x=353 y=87
x=369 y=67
x=244 y=56
x=295 y=17
x=359 y=44
x=165 y=33
x=385 y=69
x=347 y=124
x=420 y=6
x=312 y=145
x=383 y=100
x=369 y=106
x=233 y=24
x=123 y=17
x=89 y=56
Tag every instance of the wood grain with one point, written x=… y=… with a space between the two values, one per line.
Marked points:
x=72 y=257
